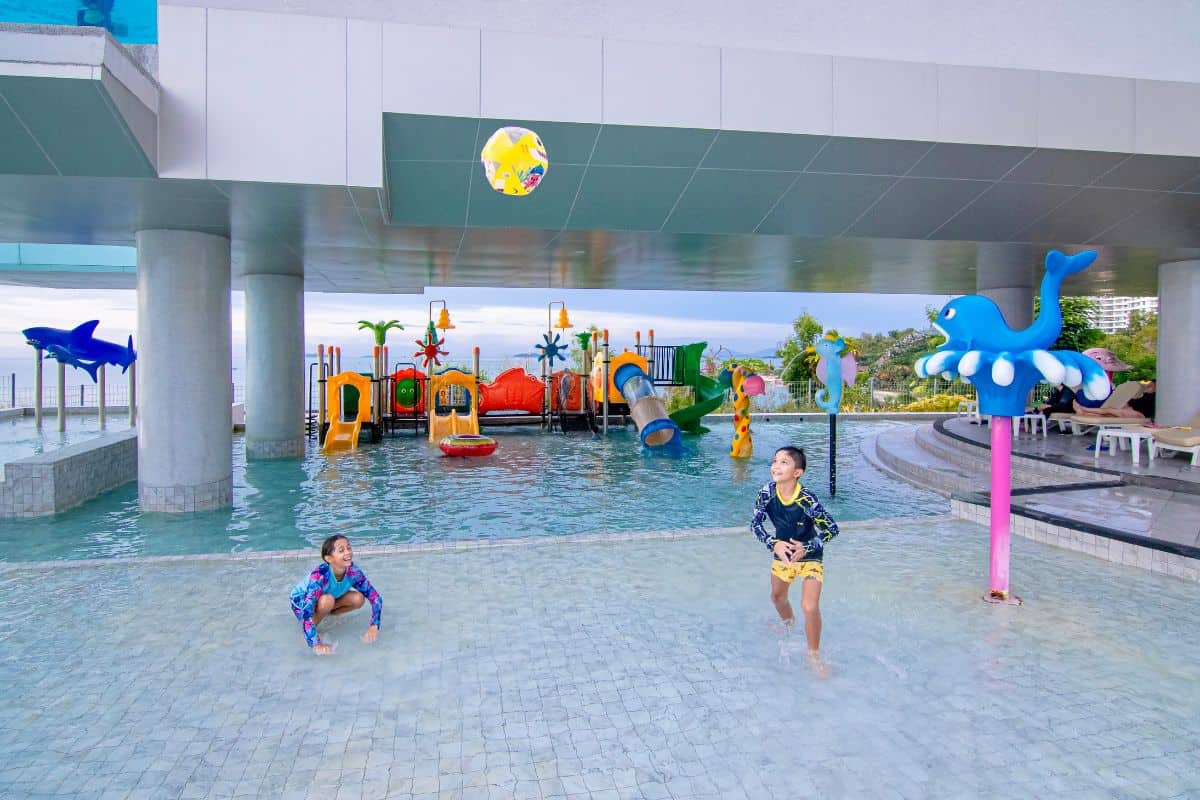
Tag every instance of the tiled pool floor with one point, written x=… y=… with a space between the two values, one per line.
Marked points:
x=630 y=669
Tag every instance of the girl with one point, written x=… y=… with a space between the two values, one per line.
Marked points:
x=334 y=587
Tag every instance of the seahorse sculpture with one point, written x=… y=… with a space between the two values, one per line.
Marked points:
x=743 y=384
x=833 y=370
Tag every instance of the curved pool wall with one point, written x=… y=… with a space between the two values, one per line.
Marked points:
x=536 y=485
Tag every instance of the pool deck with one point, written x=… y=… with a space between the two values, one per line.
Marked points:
x=588 y=670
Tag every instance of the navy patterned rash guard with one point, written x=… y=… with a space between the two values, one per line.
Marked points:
x=800 y=519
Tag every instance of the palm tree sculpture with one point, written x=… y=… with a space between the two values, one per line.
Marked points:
x=380 y=329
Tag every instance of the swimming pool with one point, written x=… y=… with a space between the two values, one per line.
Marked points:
x=20 y=438
x=537 y=484
x=131 y=21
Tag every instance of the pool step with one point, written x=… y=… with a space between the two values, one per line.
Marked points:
x=897 y=451
x=1026 y=472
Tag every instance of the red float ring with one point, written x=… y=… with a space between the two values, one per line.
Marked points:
x=467 y=445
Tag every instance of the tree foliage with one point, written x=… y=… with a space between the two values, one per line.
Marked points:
x=1077 y=331
x=755 y=365
x=1136 y=345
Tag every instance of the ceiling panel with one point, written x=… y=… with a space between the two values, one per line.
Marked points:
x=1002 y=210
x=627 y=198
x=767 y=151
x=635 y=145
x=915 y=207
x=1064 y=167
x=1163 y=173
x=983 y=162
x=566 y=142
x=869 y=156
x=416 y=137
x=547 y=207
x=823 y=205
x=1088 y=214
x=1173 y=221
x=19 y=153
x=428 y=192
x=727 y=201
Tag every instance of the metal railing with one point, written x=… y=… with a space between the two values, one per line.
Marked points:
x=77 y=395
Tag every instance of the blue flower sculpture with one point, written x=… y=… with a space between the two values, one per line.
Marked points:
x=1003 y=364
x=552 y=349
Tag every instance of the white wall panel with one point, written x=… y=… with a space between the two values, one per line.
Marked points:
x=430 y=70
x=1167 y=118
x=884 y=99
x=182 y=106
x=777 y=92
x=1085 y=112
x=276 y=97
x=661 y=84
x=541 y=77
x=987 y=106
x=364 y=99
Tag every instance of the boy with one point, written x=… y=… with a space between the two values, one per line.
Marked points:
x=802 y=528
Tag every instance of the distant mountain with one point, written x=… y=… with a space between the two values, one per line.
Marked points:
x=767 y=352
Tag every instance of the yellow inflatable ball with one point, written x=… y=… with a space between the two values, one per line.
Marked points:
x=514 y=160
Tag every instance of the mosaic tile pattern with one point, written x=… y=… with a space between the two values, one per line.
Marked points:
x=204 y=497
x=282 y=448
x=629 y=669
x=62 y=479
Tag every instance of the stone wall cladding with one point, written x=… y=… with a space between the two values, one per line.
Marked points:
x=177 y=499
x=62 y=479
x=282 y=448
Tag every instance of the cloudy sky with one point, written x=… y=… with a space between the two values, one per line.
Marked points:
x=502 y=322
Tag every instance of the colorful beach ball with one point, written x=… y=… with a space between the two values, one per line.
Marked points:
x=514 y=160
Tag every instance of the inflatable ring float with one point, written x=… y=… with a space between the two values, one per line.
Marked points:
x=467 y=444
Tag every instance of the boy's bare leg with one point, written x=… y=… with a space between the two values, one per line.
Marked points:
x=810 y=604
x=779 y=596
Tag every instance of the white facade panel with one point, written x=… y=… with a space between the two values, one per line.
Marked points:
x=277 y=98
x=776 y=92
x=428 y=70
x=541 y=77
x=884 y=99
x=987 y=106
x=182 y=74
x=1085 y=112
x=364 y=103
x=1167 y=118
x=672 y=85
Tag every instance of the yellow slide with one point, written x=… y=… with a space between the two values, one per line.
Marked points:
x=348 y=404
x=442 y=425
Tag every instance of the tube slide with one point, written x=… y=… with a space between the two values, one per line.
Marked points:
x=659 y=433
x=710 y=394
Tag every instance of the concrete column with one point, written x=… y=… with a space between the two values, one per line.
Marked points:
x=1178 y=331
x=185 y=426
x=1008 y=285
x=275 y=373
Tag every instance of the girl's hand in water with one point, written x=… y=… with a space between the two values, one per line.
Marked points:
x=370 y=635
x=323 y=649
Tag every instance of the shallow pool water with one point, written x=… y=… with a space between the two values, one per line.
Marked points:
x=20 y=438
x=536 y=484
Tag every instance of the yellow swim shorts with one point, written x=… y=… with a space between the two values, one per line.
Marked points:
x=800 y=569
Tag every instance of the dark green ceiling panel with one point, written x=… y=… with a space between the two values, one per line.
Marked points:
x=19 y=153
x=74 y=122
x=566 y=142
x=416 y=137
x=428 y=192
x=774 y=151
x=633 y=145
x=547 y=207
x=824 y=205
x=727 y=201
x=627 y=198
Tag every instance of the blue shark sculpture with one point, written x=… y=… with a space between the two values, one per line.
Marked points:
x=1003 y=364
x=79 y=348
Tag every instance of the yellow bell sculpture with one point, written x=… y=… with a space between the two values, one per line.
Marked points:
x=514 y=160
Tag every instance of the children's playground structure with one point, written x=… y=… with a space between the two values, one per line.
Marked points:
x=610 y=388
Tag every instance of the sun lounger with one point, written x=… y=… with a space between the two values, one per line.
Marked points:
x=1119 y=398
x=1180 y=439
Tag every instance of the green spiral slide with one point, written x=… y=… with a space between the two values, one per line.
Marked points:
x=709 y=393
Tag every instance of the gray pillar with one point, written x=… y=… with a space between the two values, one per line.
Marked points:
x=1009 y=285
x=185 y=425
x=275 y=372
x=1178 y=331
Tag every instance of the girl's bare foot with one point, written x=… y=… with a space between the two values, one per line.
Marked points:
x=818 y=665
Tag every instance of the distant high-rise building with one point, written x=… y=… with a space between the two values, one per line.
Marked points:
x=1112 y=313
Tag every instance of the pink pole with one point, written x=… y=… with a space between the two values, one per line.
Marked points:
x=1001 y=504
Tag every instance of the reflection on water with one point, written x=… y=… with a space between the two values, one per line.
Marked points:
x=537 y=484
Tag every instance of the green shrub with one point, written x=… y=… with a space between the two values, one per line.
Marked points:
x=939 y=402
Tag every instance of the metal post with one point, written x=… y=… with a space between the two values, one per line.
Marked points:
x=321 y=394
x=604 y=385
x=871 y=392
x=62 y=396
x=132 y=395
x=37 y=388
x=81 y=388
x=12 y=390
x=338 y=364
x=1001 y=509
x=100 y=399
x=376 y=354
x=650 y=359
x=832 y=455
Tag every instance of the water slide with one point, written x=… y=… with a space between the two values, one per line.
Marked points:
x=348 y=404
x=658 y=432
x=453 y=424
x=709 y=394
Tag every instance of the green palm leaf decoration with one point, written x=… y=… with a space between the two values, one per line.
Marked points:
x=380 y=329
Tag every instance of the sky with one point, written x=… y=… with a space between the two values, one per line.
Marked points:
x=502 y=322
